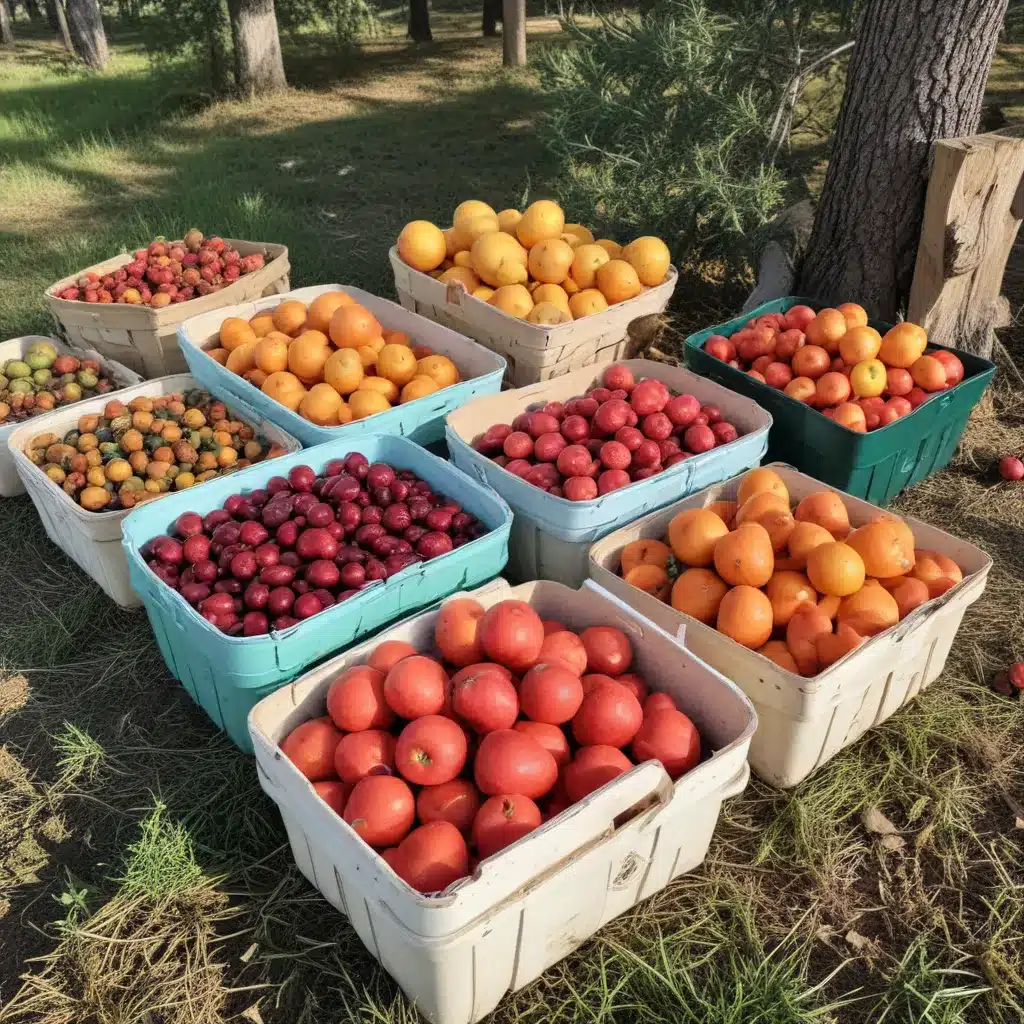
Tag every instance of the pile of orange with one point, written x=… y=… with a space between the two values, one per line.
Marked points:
x=532 y=265
x=798 y=585
x=330 y=361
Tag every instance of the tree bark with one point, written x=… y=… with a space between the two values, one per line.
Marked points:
x=419 y=21
x=56 y=9
x=513 y=33
x=32 y=10
x=258 y=64
x=492 y=15
x=6 y=31
x=85 y=25
x=219 y=39
x=917 y=74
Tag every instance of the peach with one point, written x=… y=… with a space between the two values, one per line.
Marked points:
x=916 y=397
x=798 y=317
x=756 y=375
x=954 y=368
x=811 y=361
x=859 y=343
x=777 y=375
x=832 y=389
x=898 y=381
x=902 y=345
x=901 y=406
x=802 y=389
x=826 y=329
x=929 y=374
x=850 y=416
x=855 y=316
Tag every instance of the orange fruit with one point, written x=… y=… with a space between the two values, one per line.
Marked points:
x=644 y=552
x=343 y=370
x=307 y=355
x=272 y=353
x=745 y=614
x=352 y=326
x=464 y=275
x=745 y=557
x=870 y=610
x=548 y=314
x=285 y=388
x=787 y=591
x=587 y=302
x=550 y=260
x=422 y=245
x=618 y=281
x=512 y=299
x=320 y=405
x=499 y=259
x=395 y=337
x=804 y=538
x=418 y=387
x=235 y=331
x=579 y=232
x=835 y=569
x=884 y=548
x=397 y=363
x=830 y=647
x=725 y=510
x=323 y=307
x=290 y=316
x=613 y=249
x=388 y=388
x=553 y=293
x=698 y=592
x=243 y=358
x=777 y=651
x=262 y=324
x=854 y=315
x=652 y=579
x=439 y=368
x=219 y=355
x=762 y=479
x=650 y=258
x=587 y=260
x=508 y=220
x=541 y=220
x=903 y=345
x=826 y=329
x=693 y=535
x=826 y=509
x=806 y=626
x=365 y=403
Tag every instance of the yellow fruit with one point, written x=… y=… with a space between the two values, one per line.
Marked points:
x=550 y=260
x=418 y=387
x=388 y=388
x=513 y=299
x=256 y=377
x=483 y=224
x=285 y=388
x=570 y=287
x=469 y=209
x=422 y=245
x=550 y=293
x=582 y=233
x=322 y=308
x=462 y=259
x=586 y=261
x=397 y=363
x=587 y=302
x=262 y=324
x=452 y=241
x=367 y=356
x=497 y=259
x=320 y=405
x=290 y=316
x=365 y=403
x=542 y=219
x=307 y=355
x=613 y=249
x=548 y=313
x=439 y=368
x=242 y=359
x=235 y=331
x=483 y=293
x=618 y=281
x=650 y=258
x=271 y=353
x=352 y=326
x=571 y=240
x=508 y=219
x=344 y=370
x=463 y=275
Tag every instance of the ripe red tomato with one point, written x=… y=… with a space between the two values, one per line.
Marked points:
x=659 y=702
x=512 y=634
x=432 y=856
x=608 y=650
x=381 y=809
x=550 y=693
x=510 y=762
x=565 y=647
x=359 y=753
x=390 y=855
x=669 y=737
x=334 y=794
x=355 y=700
x=457 y=631
x=502 y=820
x=415 y=687
x=456 y=801
x=591 y=768
x=550 y=737
x=310 y=747
x=387 y=655
x=485 y=700
x=552 y=626
x=609 y=714
x=431 y=750
x=634 y=682
x=595 y=679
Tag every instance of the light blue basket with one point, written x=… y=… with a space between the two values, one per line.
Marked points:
x=226 y=676
x=421 y=420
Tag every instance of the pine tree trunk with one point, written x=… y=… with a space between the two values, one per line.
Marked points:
x=492 y=15
x=219 y=45
x=917 y=74
x=258 y=64
x=513 y=37
x=85 y=24
x=59 y=23
x=32 y=10
x=419 y=21
x=6 y=31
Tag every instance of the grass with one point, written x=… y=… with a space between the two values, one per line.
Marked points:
x=145 y=877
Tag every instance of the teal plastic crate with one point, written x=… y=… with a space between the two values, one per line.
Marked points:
x=875 y=466
x=226 y=676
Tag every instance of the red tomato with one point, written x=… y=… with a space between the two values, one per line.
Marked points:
x=502 y=820
x=465 y=673
x=550 y=737
x=387 y=655
x=669 y=737
x=634 y=682
x=609 y=714
x=415 y=687
x=512 y=635
x=334 y=794
x=608 y=650
x=359 y=753
x=456 y=631
x=390 y=855
x=552 y=626
x=565 y=647
x=432 y=856
x=485 y=701
x=550 y=693
x=596 y=679
x=659 y=702
x=430 y=750
x=456 y=801
x=509 y=762
x=310 y=747
x=591 y=768
x=381 y=809
x=355 y=700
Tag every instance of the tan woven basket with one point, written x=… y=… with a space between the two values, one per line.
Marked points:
x=145 y=339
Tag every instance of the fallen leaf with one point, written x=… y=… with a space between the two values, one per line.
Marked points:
x=891 y=843
x=857 y=941
x=875 y=821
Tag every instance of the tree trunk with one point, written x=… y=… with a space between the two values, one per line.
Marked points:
x=32 y=10
x=85 y=24
x=6 y=32
x=419 y=21
x=59 y=23
x=219 y=40
x=917 y=74
x=258 y=64
x=513 y=37
x=492 y=15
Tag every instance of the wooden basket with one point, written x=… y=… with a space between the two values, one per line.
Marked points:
x=145 y=339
